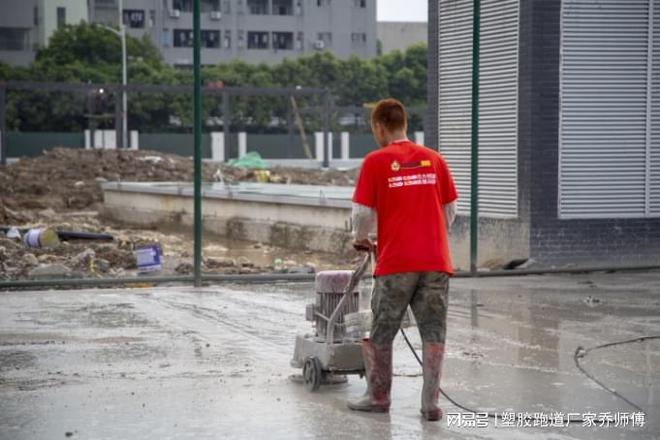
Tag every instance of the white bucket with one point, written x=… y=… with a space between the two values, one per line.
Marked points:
x=42 y=237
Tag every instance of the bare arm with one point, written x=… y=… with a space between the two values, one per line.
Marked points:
x=450 y=213
x=364 y=221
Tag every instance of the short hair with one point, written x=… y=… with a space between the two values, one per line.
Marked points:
x=391 y=114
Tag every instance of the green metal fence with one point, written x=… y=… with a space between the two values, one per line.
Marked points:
x=174 y=143
x=33 y=144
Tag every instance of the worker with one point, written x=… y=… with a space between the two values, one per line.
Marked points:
x=407 y=191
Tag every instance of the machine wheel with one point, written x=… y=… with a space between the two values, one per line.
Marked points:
x=312 y=373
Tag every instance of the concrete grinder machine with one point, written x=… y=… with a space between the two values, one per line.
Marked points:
x=334 y=349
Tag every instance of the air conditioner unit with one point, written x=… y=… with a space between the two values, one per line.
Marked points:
x=175 y=13
x=319 y=45
x=216 y=15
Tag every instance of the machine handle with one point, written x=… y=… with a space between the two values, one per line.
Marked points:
x=353 y=282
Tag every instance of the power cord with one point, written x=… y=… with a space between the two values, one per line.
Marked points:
x=580 y=353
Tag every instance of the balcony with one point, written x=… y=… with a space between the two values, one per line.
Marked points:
x=258 y=7
x=282 y=7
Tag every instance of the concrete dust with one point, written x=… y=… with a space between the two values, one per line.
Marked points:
x=213 y=363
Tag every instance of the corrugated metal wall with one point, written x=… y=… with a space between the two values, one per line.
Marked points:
x=498 y=141
x=654 y=160
x=608 y=109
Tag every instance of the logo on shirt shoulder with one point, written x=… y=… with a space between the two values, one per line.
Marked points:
x=396 y=166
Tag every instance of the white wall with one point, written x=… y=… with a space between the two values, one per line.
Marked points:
x=76 y=11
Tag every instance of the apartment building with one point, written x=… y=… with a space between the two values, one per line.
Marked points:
x=254 y=31
x=27 y=25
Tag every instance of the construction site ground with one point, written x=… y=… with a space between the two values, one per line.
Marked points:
x=180 y=362
x=62 y=190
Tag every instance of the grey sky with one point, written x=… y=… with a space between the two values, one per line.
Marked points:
x=402 y=10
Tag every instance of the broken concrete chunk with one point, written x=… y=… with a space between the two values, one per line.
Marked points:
x=50 y=271
x=184 y=268
x=244 y=262
x=30 y=260
x=214 y=263
x=83 y=258
x=102 y=265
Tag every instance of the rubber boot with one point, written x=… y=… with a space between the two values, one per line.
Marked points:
x=433 y=353
x=378 y=371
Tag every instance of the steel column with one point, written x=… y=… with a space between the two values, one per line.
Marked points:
x=226 y=123
x=3 y=124
x=474 y=168
x=197 y=129
x=119 y=118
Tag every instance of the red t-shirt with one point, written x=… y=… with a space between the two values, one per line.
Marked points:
x=407 y=185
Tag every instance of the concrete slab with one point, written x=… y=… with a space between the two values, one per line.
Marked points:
x=164 y=363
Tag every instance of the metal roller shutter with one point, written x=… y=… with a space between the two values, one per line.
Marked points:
x=654 y=148
x=603 y=145
x=498 y=113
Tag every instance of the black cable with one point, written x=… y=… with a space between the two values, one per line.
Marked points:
x=580 y=353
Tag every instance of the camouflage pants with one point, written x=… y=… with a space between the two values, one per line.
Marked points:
x=425 y=292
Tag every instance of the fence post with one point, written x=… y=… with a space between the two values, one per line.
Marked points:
x=135 y=140
x=3 y=125
x=345 y=145
x=88 y=139
x=242 y=144
x=217 y=146
x=419 y=137
x=318 y=144
x=119 y=137
x=326 y=129
x=226 y=123
x=289 y=123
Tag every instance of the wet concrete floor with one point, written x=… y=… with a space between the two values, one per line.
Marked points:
x=178 y=362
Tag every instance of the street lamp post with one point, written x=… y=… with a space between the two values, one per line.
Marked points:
x=121 y=33
x=124 y=75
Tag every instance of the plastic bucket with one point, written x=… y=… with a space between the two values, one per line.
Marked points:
x=41 y=237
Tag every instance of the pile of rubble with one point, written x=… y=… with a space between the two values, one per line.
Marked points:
x=62 y=190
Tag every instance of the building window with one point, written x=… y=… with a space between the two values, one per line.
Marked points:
x=61 y=17
x=300 y=41
x=227 y=6
x=282 y=7
x=258 y=40
x=283 y=40
x=226 y=43
x=106 y=4
x=322 y=3
x=360 y=3
x=182 y=5
x=323 y=40
x=211 y=39
x=152 y=18
x=205 y=5
x=358 y=37
x=134 y=18
x=183 y=38
x=165 y=38
x=258 y=7
x=14 y=38
x=36 y=16
x=210 y=5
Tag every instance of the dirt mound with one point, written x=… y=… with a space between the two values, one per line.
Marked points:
x=66 y=179
x=62 y=188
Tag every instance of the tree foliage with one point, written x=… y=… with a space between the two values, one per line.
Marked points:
x=88 y=53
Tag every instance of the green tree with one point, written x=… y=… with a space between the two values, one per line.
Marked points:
x=89 y=53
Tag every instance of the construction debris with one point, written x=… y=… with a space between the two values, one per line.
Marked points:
x=61 y=191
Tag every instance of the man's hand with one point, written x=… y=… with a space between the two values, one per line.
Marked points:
x=364 y=245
